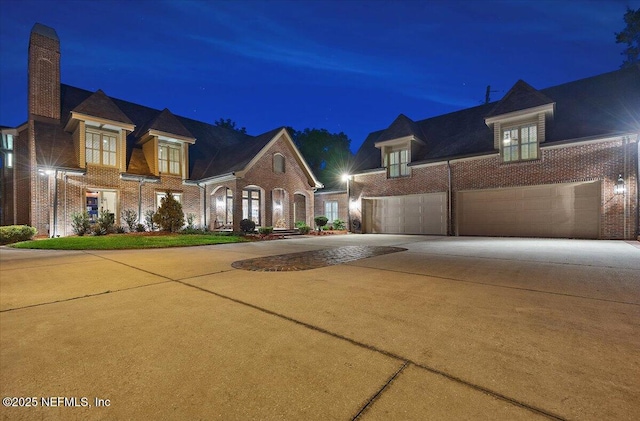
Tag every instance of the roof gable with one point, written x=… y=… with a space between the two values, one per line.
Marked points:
x=166 y=122
x=521 y=96
x=101 y=106
x=401 y=127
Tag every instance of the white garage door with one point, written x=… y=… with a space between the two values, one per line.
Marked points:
x=570 y=210
x=410 y=214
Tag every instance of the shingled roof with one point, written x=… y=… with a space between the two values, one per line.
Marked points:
x=402 y=126
x=217 y=151
x=597 y=106
x=165 y=122
x=101 y=106
x=520 y=97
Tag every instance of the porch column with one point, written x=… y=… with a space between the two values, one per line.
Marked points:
x=237 y=208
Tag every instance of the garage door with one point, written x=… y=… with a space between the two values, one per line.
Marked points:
x=410 y=214
x=569 y=210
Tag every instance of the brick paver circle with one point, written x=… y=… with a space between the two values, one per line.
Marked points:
x=306 y=260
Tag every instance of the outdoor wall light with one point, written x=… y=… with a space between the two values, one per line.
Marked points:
x=619 y=188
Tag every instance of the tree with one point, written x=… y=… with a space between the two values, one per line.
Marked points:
x=327 y=154
x=169 y=216
x=631 y=37
x=230 y=124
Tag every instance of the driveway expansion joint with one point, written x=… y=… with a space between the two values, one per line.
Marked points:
x=314 y=259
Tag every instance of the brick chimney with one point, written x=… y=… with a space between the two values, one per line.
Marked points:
x=44 y=72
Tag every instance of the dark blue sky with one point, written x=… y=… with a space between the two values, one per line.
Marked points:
x=349 y=66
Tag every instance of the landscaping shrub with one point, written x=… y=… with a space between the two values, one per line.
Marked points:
x=149 y=220
x=299 y=224
x=338 y=224
x=247 y=226
x=15 y=233
x=140 y=228
x=120 y=229
x=130 y=217
x=190 y=218
x=265 y=230
x=304 y=229
x=105 y=223
x=320 y=221
x=80 y=223
x=169 y=216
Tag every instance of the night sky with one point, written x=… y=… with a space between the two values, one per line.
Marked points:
x=349 y=66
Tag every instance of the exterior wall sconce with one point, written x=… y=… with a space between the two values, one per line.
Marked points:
x=619 y=188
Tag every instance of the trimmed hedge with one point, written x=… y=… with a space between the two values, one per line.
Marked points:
x=16 y=233
x=265 y=230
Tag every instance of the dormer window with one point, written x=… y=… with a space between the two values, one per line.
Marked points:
x=101 y=148
x=169 y=159
x=396 y=163
x=519 y=143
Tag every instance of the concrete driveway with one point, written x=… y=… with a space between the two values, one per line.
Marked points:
x=451 y=328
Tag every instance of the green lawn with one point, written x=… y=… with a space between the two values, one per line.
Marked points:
x=123 y=241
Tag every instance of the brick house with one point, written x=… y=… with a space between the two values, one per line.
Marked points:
x=82 y=150
x=555 y=162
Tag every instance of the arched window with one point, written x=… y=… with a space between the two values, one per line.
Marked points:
x=278 y=163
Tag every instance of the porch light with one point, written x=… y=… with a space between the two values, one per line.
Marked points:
x=619 y=188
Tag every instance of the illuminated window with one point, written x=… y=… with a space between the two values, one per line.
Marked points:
x=101 y=148
x=331 y=210
x=169 y=159
x=278 y=163
x=160 y=196
x=9 y=160
x=251 y=205
x=396 y=163
x=520 y=143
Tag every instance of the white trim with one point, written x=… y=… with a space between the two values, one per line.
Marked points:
x=398 y=141
x=428 y=164
x=403 y=195
x=473 y=158
x=170 y=137
x=589 y=142
x=521 y=114
x=378 y=171
x=102 y=122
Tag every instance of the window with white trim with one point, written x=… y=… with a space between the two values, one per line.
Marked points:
x=169 y=159
x=162 y=195
x=101 y=148
x=520 y=143
x=396 y=163
x=331 y=210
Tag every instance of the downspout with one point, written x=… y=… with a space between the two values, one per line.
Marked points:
x=55 y=204
x=449 y=195
x=65 y=203
x=140 y=183
x=204 y=204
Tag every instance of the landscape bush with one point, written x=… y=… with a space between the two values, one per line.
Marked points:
x=104 y=224
x=265 y=230
x=339 y=224
x=80 y=223
x=304 y=229
x=16 y=233
x=169 y=216
x=247 y=226
x=130 y=217
x=149 y=220
x=320 y=221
